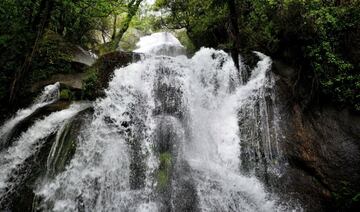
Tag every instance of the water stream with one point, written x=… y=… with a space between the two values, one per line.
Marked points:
x=49 y=95
x=172 y=134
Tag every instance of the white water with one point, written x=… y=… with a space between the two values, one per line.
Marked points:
x=198 y=98
x=99 y=173
x=161 y=43
x=214 y=151
x=29 y=142
x=49 y=95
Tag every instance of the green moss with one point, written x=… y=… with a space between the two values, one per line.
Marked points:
x=164 y=172
x=66 y=94
x=165 y=159
x=53 y=57
x=90 y=85
x=163 y=179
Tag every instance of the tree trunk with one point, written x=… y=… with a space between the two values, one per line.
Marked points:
x=133 y=7
x=234 y=32
x=114 y=27
x=46 y=8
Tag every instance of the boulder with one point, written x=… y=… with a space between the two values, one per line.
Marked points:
x=101 y=72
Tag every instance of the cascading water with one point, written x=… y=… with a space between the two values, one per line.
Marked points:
x=172 y=134
x=161 y=43
x=49 y=95
x=259 y=132
x=14 y=159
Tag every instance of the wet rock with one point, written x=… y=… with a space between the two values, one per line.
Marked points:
x=168 y=92
x=27 y=122
x=73 y=80
x=100 y=73
x=168 y=137
x=285 y=71
x=68 y=93
x=107 y=64
x=82 y=56
x=322 y=147
x=64 y=150
x=135 y=133
x=20 y=195
x=176 y=188
x=164 y=172
x=184 y=196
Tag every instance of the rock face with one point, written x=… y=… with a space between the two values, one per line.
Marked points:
x=27 y=122
x=322 y=148
x=109 y=62
x=50 y=158
x=70 y=80
x=85 y=57
x=100 y=73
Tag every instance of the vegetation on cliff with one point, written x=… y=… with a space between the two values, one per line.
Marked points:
x=317 y=37
x=38 y=38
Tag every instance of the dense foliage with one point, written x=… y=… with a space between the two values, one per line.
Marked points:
x=39 y=38
x=318 y=37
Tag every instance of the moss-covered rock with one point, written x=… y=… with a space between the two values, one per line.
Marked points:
x=164 y=172
x=71 y=80
x=55 y=56
x=130 y=38
x=66 y=95
x=99 y=75
x=63 y=150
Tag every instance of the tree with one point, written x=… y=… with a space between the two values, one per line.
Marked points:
x=132 y=8
x=26 y=24
x=318 y=37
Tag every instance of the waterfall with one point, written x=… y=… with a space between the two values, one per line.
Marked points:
x=13 y=159
x=49 y=95
x=259 y=131
x=65 y=143
x=161 y=43
x=171 y=134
